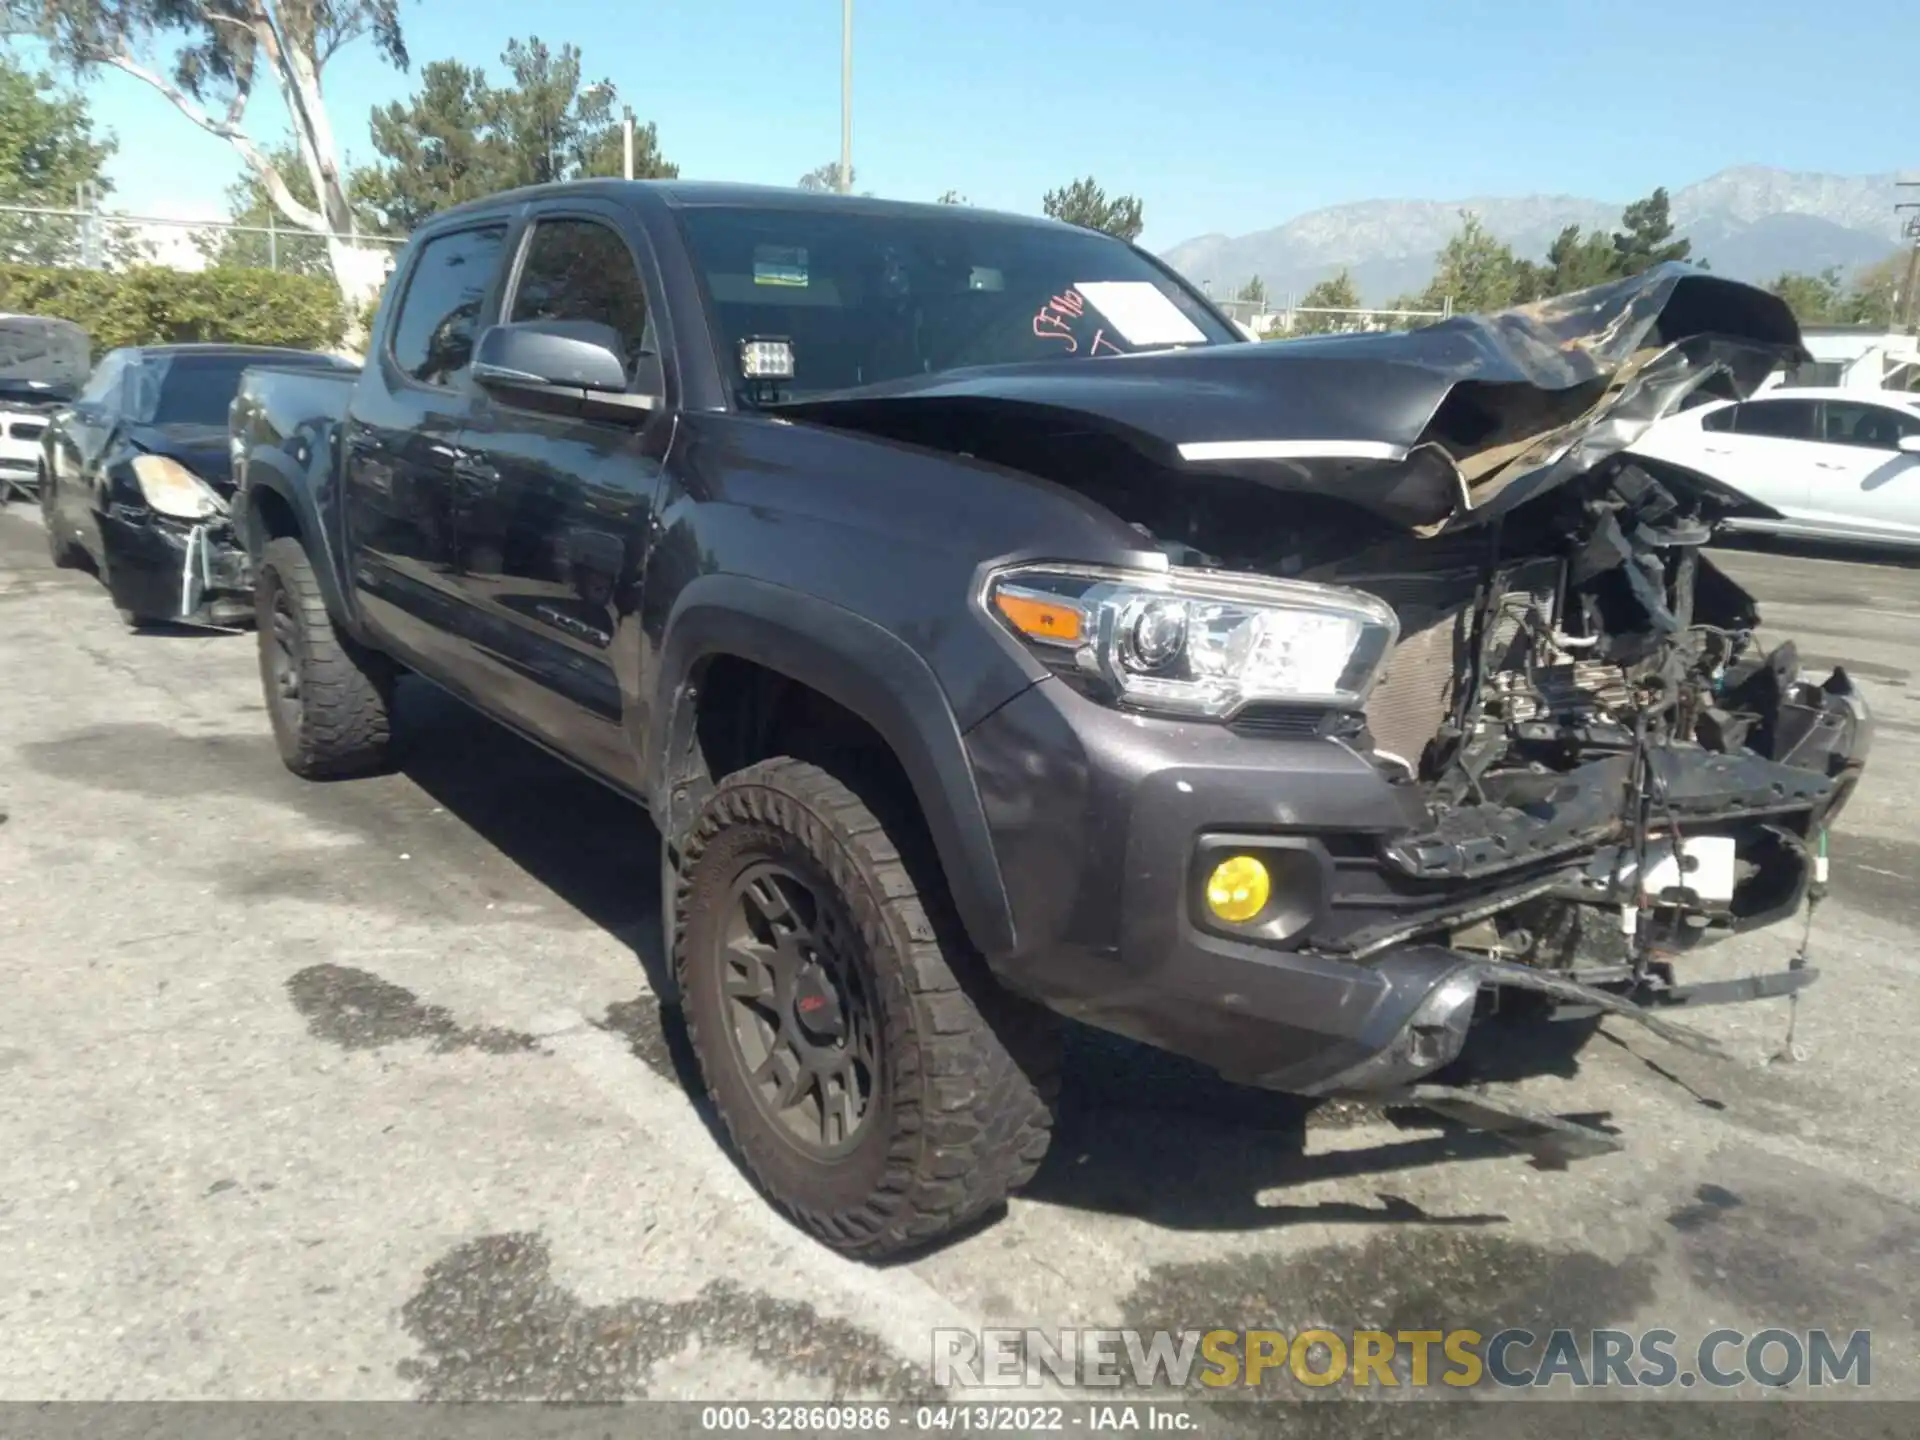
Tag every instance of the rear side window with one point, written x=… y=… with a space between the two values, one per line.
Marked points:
x=1779 y=419
x=434 y=332
x=1871 y=427
x=1721 y=419
x=580 y=270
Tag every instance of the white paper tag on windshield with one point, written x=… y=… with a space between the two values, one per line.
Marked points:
x=1140 y=312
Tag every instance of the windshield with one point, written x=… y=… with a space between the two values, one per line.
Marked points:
x=864 y=298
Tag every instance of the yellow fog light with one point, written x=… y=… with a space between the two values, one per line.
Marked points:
x=1238 y=889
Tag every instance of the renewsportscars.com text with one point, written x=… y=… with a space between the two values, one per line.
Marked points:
x=1511 y=1358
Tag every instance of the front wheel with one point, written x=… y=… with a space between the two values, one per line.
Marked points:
x=329 y=698
x=877 y=1085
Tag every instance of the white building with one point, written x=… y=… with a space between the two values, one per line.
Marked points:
x=1855 y=357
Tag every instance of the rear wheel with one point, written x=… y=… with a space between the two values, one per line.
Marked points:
x=876 y=1083
x=329 y=698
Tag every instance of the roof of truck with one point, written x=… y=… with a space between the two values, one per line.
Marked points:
x=688 y=194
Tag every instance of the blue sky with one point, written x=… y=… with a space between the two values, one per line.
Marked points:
x=1227 y=115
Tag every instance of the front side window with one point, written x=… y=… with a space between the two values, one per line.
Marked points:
x=581 y=270
x=1871 y=427
x=864 y=298
x=1721 y=419
x=434 y=332
x=1779 y=419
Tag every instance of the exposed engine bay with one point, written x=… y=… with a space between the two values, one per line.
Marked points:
x=1614 y=763
x=1617 y=766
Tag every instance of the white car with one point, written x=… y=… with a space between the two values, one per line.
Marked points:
x=1835 y=464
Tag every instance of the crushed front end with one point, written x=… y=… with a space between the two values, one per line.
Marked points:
x=169 y=552
x=1615 y=766
x=1419 y=695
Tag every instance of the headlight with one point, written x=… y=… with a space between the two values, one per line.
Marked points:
x=1199 y=642
x=172 y=489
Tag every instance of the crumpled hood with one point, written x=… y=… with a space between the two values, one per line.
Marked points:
x=37 y=350
x=201 y=448
x=1432 y=428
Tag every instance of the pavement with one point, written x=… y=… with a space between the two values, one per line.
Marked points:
x=361 y=1091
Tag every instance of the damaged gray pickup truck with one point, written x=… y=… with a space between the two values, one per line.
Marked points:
x=991 y=633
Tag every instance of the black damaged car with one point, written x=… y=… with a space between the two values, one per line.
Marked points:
x=991 y=633
x=135 y=476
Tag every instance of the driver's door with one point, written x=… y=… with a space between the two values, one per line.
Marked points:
x=554 y=505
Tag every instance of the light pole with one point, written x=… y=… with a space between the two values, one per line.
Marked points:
x=846 y=97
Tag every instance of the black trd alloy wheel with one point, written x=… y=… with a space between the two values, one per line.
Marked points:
x=875 y=1082
x=327 y=697
x=801 y=1012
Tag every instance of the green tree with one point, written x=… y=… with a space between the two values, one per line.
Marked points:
x=288 y=248
x=1814 y=299
x=49 y=153
x=1479 y=273
x=1871 y=298
x=1254 y=292
x=1645 y=238
x=1575 y=261
x=205 y=57
x=1333 y=293
x=1085 y=204
x=553 y=127
x=438 y=147
x=952 y=197
x=826 y=178
x=460 y=136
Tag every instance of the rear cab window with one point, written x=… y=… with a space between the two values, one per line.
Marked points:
x=861 y=298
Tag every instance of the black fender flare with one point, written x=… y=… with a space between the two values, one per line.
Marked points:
x=269 y=472
x=860 y=666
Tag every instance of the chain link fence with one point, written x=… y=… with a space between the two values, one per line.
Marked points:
x=87 y=238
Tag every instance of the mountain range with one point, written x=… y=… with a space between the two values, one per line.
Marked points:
x=1750 y=222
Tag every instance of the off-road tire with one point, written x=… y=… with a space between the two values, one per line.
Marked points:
x=968 y=1072
x=339 y=724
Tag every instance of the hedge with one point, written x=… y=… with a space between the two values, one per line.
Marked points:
x=153 y=305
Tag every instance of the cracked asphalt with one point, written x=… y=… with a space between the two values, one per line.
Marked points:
x=361 y=1091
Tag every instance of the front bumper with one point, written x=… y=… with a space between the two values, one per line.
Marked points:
x=159 y=568
x=1103 y=824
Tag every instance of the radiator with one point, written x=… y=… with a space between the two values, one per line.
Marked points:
x=1418 y=691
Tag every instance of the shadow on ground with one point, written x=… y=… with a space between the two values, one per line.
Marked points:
x=1126 y=1110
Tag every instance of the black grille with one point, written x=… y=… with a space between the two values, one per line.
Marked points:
x=1276 y=722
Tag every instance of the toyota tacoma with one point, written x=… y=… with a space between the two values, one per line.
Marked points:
x=994 y=635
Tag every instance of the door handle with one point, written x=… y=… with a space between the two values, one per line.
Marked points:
x=1828 y=465
x=1717 y=450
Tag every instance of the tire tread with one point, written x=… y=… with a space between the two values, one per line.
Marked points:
x=976 y=1070
x=346 y=725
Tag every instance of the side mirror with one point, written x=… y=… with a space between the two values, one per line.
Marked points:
x=1910 y=444
x=573 y=365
